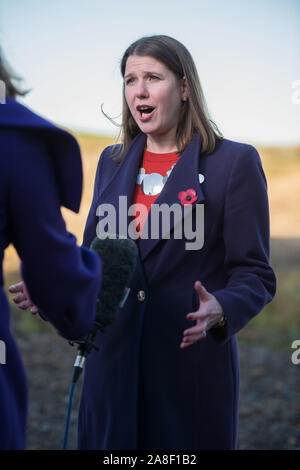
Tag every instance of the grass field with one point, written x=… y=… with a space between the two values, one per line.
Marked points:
x=279 y=324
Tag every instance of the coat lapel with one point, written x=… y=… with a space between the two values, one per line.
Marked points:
x=119 y=192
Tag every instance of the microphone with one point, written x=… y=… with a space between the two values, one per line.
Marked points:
x=118 y=258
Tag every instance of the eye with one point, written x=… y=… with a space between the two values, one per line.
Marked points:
x=154 y=77
x=128 y=81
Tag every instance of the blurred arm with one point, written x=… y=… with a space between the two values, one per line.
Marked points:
x=63 y=280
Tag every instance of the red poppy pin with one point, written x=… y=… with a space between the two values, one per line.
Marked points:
x=187 y=197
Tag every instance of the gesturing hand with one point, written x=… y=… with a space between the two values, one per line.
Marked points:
x=22 y=300
x=209 y=313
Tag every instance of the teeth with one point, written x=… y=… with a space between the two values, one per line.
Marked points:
x=145 y=108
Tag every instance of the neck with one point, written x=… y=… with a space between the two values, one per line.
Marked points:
x=161 y=144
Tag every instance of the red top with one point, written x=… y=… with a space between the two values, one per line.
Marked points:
x=152 y=163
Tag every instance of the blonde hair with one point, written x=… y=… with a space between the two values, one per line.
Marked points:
x=194 y=116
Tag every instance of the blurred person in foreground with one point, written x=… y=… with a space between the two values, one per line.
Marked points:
x=40 y=171
x=166 y=376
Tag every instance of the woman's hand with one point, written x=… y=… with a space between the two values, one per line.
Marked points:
x=209 y=313
x=22 y=300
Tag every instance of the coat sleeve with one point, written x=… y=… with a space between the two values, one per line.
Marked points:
x=251 y=281
x=63 y=279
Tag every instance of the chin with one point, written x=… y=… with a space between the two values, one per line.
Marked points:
x=148 y=129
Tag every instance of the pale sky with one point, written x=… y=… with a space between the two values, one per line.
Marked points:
x=246 y=53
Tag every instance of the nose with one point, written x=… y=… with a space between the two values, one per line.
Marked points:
x=141 y=90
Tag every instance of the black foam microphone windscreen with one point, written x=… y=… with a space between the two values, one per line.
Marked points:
x=118 y=258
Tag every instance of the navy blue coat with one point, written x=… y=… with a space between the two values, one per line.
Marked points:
x=140 y=390
x=40 y=170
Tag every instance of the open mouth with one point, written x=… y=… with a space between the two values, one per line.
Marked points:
x=145 y=111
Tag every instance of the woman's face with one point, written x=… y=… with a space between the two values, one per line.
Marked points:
x=154 y=95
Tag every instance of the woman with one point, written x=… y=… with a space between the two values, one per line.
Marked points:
x=166 y=375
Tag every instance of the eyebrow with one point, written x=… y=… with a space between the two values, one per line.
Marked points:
x=145 y=73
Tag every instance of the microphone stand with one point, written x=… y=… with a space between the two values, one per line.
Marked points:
x=85 y=346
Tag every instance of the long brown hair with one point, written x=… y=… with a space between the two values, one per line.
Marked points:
x=194 y=115
x=8 y=77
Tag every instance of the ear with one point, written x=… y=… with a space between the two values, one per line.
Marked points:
x=184 y=92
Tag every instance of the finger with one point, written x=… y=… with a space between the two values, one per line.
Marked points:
x=195 y=329
x=19 y=298
x=16 y=287
x=202 y=292
x=25 y=305
x=189 y=340
x=206 y=315
x=185 y=343
x=196 y=316
x=34 y=310
x=195 y=336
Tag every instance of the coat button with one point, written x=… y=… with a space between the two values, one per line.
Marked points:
x=141 y=295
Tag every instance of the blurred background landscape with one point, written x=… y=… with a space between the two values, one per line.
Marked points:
x=247 y=54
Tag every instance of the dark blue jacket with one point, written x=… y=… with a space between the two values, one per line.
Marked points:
x=141 y=391
x=40 y=170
